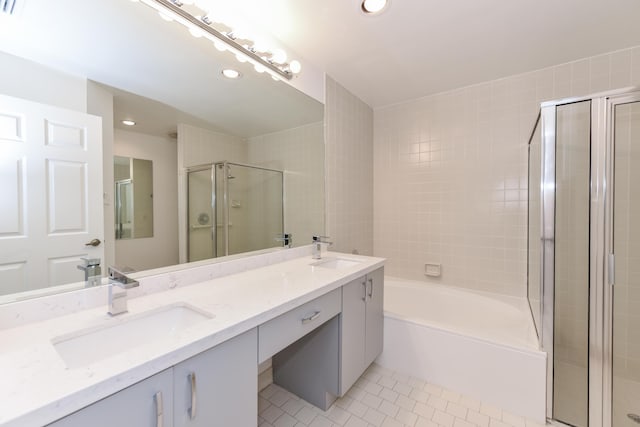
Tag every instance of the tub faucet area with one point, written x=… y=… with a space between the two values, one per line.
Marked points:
x=118 y=285
x=318 y=241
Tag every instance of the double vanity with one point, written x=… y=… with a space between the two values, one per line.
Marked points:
x=187 y=351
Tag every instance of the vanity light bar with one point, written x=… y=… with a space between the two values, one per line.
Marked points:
x=203 y=24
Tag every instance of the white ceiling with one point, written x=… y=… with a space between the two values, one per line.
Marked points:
x=421 y=47
x=414 y=48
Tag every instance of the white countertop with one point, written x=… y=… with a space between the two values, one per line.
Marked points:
x=37 y=387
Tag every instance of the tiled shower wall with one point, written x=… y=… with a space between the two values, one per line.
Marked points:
x=450 y=183
x=300 y=153
x=348 y=170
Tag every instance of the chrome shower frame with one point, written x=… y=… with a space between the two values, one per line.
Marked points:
x=600 y=247
x=225 y=166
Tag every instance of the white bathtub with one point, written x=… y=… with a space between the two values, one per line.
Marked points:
x=474 y=343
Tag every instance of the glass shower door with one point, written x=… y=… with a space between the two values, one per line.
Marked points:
x=249 y=206
x=201 y=218
x=571 y=275
x=626 y=247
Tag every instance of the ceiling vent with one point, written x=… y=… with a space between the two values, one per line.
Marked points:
x=9 y=7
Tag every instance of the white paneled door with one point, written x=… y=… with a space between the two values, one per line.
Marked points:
x=50 y=194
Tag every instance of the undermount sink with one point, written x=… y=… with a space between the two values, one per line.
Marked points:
x=336 y=263
x=83 y=347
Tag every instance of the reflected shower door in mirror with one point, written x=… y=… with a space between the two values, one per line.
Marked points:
x=133 y=197
x=233 y=208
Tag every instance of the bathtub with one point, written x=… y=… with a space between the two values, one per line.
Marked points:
x=478 y=344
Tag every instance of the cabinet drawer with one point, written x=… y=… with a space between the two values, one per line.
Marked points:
x=287 y=328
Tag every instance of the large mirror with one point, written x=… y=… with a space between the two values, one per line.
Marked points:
x=118 y=61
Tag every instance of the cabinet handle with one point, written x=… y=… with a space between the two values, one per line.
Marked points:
x=194 y=395
x=370 y=289
x=159 y=409
x=364 y=290
x=311 y=318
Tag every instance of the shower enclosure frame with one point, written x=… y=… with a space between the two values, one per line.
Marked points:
x=225 y=200
x=601 y=258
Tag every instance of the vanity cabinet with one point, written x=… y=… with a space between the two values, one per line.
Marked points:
x=362 y=323
x=215 y=388
x=148 y=403
x=218 y=388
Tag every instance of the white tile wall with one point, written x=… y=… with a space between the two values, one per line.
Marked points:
x=349 y=170
x=450 y=183
x=300 y=153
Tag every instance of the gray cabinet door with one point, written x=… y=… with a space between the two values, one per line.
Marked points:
x=135 y=406
x=352 y=333
x=375 y=315
x=225 y=386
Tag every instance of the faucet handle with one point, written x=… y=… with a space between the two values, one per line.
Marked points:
x=321 y=239
x=286 y=239
x=119 y=278
x=89 y=262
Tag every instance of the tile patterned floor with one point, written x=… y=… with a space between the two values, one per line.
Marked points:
x=383 y=398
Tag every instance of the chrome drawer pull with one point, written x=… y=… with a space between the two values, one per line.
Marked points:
x=194 y=395
x=371 y=289
x=311 y=318
x=364 y=291
x=159 y=409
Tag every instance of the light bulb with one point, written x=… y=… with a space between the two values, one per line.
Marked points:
x=259 y=68
x=295 y=67
x=220 y=46
x=279 y=56
x=242 y=58
x=373 y=6
x=230 y=73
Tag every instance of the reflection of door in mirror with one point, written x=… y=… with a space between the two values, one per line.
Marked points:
x=57 y=152
x=133 y=197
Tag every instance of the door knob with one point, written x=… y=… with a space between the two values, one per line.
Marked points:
x=94 y=242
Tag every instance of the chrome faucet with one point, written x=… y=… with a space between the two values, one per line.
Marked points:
x=118 y=285
x=318 y=241
x=286 y=239
x=92 y=271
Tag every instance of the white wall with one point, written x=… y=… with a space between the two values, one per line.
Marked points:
x=28 y=80
x=300 y=153
x=348 y=171
x=100 y=103
x=450 y=180
x=161 y=249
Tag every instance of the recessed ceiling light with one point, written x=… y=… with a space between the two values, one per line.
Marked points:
x=230 y=73
x=374 y=6
x=128 y=122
